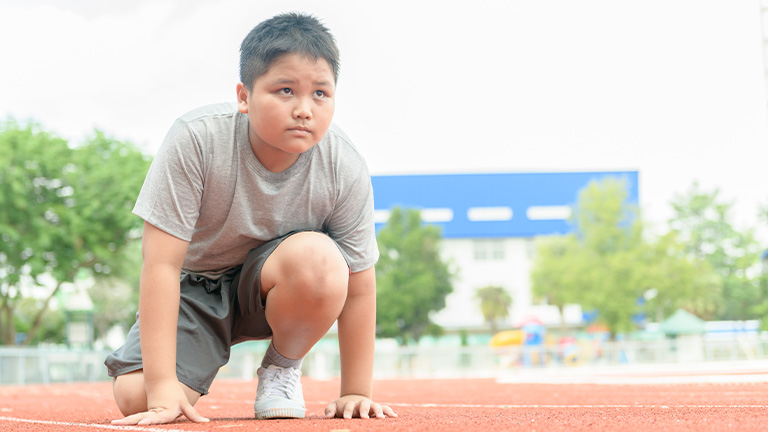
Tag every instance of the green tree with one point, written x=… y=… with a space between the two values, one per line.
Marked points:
x=62 y=209
x=115 y=295
x=412 y=280
x=52 y=328
x=607 y=264
x=703 y=222
x=557 y=267
x=495 y=302
x=609 y=230
x=677 y=280
x=761 y=308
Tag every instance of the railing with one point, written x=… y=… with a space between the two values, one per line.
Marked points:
x=484 y=361
x=20 y=366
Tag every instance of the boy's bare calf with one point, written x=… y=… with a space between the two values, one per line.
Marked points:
x=304 y=282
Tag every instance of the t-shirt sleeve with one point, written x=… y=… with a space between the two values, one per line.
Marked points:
x=352 y=224
x=172 y=192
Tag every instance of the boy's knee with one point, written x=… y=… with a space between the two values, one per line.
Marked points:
x=320 y=270
x=130 y=394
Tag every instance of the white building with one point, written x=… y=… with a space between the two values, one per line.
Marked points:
x=489 y=223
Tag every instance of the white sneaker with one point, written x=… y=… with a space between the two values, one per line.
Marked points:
x=279 y=393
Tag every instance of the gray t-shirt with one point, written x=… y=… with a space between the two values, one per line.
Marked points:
x=206 y=186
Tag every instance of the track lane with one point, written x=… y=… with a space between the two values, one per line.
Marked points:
x=430 y=405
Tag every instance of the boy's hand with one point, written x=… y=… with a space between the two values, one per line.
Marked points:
x=165 y=404
x=357 y=406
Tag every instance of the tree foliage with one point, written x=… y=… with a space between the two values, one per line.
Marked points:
x=605 y=252
x=703 y=221
x=412 y=280
x=761 y=308
x=678 y=280
x=62 y=209
x=556 y=271
x=52 y=328
x=114 y=295
x=495 y=302
x=607 y=264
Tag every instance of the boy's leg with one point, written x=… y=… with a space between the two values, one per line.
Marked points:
x=304 y=283
x=131 y=396
x=203 y=344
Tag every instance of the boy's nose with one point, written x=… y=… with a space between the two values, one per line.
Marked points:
x=302 y=110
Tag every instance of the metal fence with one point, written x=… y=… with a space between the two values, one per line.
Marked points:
x=20 y=366
x=484 y=361
x=45 y=365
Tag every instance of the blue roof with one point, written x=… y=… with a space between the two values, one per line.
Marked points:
x=491 y=205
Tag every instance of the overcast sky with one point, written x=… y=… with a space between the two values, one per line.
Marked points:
x=672 y=88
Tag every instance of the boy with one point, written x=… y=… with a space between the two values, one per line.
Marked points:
x=258 y=224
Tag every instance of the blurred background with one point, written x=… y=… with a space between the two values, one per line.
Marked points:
x=587 y=176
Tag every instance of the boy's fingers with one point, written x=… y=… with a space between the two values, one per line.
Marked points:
x=191 y=413
x=161 y=417
x=365 y=409
x=131 y=419
x=388 y=411
x=148 y=417
x=349 y=410
x=157 y=417
x=378 y=411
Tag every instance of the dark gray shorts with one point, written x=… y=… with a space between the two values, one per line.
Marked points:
x=213 y=316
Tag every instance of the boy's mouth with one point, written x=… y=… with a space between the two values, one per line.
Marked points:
x=300 y=132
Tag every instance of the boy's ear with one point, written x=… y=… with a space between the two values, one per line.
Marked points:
x=242 y=98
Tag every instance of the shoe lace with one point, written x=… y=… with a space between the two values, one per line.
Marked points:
x=280 y=382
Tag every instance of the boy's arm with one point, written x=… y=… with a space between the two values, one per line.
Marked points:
x=158 y=316
x=357 y=336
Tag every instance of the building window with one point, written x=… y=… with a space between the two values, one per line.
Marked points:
x=489 y=250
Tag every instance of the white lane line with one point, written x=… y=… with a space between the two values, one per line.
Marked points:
x=526 y=406
x=88 y=425
x=650 y=380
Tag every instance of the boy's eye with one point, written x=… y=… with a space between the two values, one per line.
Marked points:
x=285 y=91
x=319 y=93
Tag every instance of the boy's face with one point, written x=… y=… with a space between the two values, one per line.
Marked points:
x=289 y=109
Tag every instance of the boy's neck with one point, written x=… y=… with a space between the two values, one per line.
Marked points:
x=274 y=160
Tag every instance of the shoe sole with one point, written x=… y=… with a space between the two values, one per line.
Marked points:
x=280 y=413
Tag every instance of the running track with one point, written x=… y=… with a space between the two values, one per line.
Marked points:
x=432 y=405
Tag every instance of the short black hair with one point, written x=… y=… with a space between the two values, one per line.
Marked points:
x=288 y=33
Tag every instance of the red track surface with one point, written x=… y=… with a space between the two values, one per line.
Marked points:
x=423 y=405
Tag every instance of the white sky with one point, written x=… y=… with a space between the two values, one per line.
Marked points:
x=672 y=88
